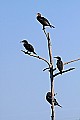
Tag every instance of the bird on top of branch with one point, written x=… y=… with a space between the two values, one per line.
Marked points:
x=28 y=46
x=59 y=64
x=43 y=21
x=49 y=99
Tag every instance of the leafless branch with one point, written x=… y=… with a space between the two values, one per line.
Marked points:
x=71 y=61
x=63 y=71
x=46 y=69
x=33 y=55
x=45 y=33
x=51 y=72
x=54 y=69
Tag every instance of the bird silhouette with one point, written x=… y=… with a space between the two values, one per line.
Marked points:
x=59 y=64
x=44 y=21
x=28 y=46
x=49 y=99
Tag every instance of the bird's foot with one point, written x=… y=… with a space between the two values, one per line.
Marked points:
x=43 y=28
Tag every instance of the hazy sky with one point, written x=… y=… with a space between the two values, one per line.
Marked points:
x=23 y=84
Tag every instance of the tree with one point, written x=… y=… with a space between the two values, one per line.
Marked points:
x=50 y=64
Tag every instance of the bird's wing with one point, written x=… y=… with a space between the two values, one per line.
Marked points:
x=60 y=65
x=31 y=47
x=46 y=21
x=43 y=21
x=26 y=46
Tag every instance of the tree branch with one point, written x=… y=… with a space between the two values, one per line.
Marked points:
x=51 y=72
x=45 y=33
x=63 y=71
x=46 y=69
x=71 y=61
x=36 y=57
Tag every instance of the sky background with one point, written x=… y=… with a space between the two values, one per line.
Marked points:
x=23 y=84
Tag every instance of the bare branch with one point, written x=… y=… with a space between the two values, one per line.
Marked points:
x=50 y=49
x=54 y=69
x=63 y=72
x=71 y=61
x=46 y=69
x=51 y=72
x=36 y=57
x=45 y=32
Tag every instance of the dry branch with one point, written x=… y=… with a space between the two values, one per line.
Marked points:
x=46 y=69
x=36 y=57
x=45 y=33
x=63 y=71
x=51 y=72
x=71 y=61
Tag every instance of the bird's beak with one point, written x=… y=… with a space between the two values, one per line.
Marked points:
x=37 y=14
x=20 y=41
x=55 y=57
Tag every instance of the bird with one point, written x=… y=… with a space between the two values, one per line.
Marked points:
x=28 y=46
x=43 y=21
x=59 y=64
x=49 y=99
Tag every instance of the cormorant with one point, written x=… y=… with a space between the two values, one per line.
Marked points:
x=28 y=46
x=43 y=21
x=49 y=99
x=59 y=64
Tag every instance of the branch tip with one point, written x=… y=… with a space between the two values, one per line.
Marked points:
x=63 y=71
x=46 y=69
x=37 y=56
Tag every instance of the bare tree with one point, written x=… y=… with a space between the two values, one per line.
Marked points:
x=50 y=68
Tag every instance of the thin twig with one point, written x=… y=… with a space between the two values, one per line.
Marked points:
x=45 y=33
x=46 y=69
x=54 y=69
x=63 y=71
x=71 y=61
x=36 y=57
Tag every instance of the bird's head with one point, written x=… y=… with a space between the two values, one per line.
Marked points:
x=39 y=14
x=59 y=58
x=48 y=94
x=24 y=41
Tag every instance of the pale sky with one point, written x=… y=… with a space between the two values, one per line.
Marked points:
x=23 y=84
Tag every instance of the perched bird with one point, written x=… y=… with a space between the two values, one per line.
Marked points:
x=59 y=64
x=28 y=46
x=43 y=21
x=49 y=99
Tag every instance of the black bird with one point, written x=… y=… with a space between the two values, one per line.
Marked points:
x=59 y=64
x=28 y=46
x=49 y=99
x=43 y=21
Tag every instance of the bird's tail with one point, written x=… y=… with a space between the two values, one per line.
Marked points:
x=59 y=105
x=52 y=26
x=61 y=72
x=35 y=53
